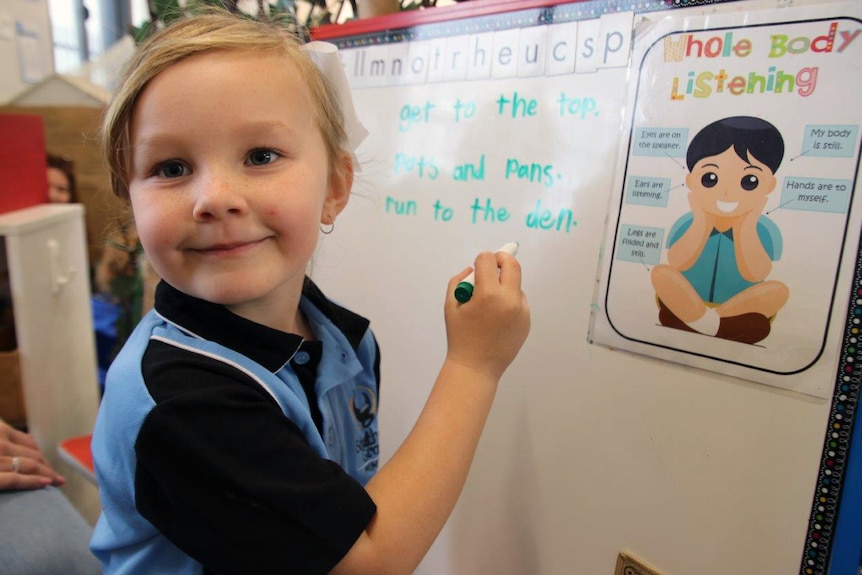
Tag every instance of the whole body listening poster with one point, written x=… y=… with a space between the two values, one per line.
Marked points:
x=734 y=223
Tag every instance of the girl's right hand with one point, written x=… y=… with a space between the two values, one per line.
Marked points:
x=486 y=333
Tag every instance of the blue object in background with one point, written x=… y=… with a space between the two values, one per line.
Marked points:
x=105 y=315
x=846 y=556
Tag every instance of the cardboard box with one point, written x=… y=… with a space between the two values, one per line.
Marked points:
x=12 y=409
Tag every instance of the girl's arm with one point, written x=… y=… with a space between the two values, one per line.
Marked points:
x=418 y=487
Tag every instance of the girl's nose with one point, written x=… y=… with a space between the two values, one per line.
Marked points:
x=218 y=196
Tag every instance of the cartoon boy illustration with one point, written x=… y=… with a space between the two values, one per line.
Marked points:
x=720 y=254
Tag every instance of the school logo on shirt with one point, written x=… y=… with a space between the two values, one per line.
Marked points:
x=364 y=406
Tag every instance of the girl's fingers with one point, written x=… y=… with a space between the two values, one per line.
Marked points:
x=510 y=270
x=486 y=268
x=456 y=279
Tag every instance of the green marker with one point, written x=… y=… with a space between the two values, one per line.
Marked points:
x=464 y=291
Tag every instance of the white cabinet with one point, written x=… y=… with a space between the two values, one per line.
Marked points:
x=46 y=256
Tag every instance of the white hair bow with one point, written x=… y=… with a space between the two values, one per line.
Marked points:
x=327 y=59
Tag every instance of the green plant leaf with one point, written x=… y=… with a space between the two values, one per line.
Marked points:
x=142 y=32
x=167 y=10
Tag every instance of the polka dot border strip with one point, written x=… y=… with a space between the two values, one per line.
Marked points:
x=836 y=445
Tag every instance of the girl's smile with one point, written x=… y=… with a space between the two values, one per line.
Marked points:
x=227 y=249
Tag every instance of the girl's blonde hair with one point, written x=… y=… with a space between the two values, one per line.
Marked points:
x=205 y=33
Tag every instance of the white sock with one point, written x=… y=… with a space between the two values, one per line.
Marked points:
x=707 y=323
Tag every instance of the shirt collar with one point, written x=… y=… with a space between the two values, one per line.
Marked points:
x=269 y=347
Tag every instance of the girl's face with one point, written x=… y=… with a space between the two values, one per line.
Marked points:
x=725 y=185
x=229 y=181
x=59 y=188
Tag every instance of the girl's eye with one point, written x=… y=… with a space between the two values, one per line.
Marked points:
x=749 y=182
x=171 y=170
x=709 y=180
x=261 y=157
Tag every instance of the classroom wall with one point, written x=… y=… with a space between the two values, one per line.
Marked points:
x=26 y=50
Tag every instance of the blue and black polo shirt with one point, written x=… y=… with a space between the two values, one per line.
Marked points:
x=225 y=446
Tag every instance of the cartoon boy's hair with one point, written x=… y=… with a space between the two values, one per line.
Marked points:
x=211 y=31
x=747 y=135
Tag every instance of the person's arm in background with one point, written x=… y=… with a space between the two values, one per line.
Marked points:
x=41 y=533
x=22 y=465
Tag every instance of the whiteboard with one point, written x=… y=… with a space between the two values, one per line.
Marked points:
x=493 y=122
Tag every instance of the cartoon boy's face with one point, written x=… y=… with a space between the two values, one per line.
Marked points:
x=725 y=185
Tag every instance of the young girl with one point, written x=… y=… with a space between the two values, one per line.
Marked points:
x=238 y=429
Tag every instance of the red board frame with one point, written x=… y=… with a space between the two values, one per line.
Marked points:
x=467 y=10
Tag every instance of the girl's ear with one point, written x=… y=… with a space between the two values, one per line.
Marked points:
x=340 y=184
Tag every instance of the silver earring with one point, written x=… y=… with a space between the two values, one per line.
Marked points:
x=331 y=226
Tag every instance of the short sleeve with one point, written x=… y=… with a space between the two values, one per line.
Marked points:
x=679 y=228
x=231 y=481
x=770 y=238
